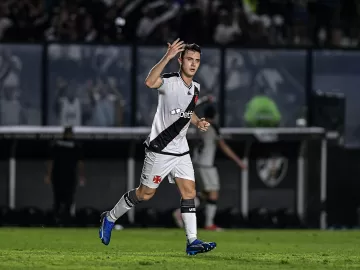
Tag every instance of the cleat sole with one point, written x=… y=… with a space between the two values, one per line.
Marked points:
x=193 y=253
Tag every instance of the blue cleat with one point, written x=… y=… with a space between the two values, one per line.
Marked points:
x=199 y=246
x=105 y=228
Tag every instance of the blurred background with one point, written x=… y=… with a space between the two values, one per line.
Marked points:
x=83 y=63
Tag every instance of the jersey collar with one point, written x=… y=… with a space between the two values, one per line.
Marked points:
x=188 y=86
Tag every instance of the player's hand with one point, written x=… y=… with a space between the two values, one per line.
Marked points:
x=242 y=165
x=173 y=49
x=203 y=125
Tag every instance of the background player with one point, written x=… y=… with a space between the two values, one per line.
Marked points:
x=167 y=150
x=206 y=172
x=63 y=168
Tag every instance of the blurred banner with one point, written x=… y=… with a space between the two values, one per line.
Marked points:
x=20 y=84
x=267 y=84
x=338 y=71
x=208 y=76
x=89 y=85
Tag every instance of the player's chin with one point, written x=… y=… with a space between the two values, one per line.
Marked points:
x=192 y=72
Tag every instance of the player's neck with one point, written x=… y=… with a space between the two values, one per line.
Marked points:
x=186 y=79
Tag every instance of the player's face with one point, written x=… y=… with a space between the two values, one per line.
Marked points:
x=190 y=63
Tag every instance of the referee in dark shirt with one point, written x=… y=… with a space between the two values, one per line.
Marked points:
x=63 y=168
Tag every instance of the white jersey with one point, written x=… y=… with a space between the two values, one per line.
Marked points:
x=205 y=150
x=176 y=103
x=70 y=112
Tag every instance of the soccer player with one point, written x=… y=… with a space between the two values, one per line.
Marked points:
x=166 y=147
x=204 y=156
x=63 y=167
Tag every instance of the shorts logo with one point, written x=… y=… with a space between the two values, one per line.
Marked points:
x=182 y=114
x=157 y=179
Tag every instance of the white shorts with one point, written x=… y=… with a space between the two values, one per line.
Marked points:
x=157 y=166
x=209 y=178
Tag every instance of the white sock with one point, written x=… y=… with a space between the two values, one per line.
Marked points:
x=127 y=201
x=210 y=212
x=188 y=214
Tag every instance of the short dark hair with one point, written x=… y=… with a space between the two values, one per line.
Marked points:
x=190 y=47
x=210 y=112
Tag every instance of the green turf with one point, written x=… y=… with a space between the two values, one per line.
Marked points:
x=165 y=249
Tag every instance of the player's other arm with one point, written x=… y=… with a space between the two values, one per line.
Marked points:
x=49 y=167
x=230 y=153
x=154 y=80
x=80 y=165
x=81 y=171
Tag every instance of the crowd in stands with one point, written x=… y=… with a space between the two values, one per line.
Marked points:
x=225 y=22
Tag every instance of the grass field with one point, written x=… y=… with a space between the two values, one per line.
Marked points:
x=165 y=249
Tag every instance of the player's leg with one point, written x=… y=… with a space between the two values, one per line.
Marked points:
x=211 y=184
x=129 y=200
x=177 y=214
x=210 y=210
x=155 y=168
x=126 y=202
x=187 y=206
x=56 y=198
x=69 y=194
x=185 y=180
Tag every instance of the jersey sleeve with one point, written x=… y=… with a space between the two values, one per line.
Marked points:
x=164 y=83
x=166 y=78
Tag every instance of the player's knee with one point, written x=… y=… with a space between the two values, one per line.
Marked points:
x=188 y=193
x=210 y=201
x=213 y=196
x=131 y=198
x=144 y=193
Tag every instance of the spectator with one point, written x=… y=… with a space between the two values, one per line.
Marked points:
x=192 y=23
x=5 y=21
x=250 y=22
x=151 y=21
x=90 y=33
x=228 y=30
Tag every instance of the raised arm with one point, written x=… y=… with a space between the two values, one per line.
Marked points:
x=153 y=80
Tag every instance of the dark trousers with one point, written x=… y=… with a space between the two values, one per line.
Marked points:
x=64 y=191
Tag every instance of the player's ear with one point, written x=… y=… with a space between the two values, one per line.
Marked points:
x=180 y=60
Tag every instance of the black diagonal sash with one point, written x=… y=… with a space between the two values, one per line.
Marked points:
x=168 y=134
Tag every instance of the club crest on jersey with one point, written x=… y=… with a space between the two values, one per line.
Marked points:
x=157 y=179
x=181 y=113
